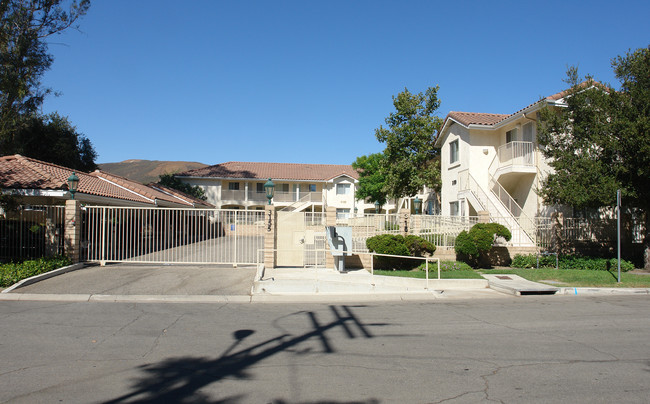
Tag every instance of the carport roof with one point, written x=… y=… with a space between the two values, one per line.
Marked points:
x=275 y=171
x=23 y=173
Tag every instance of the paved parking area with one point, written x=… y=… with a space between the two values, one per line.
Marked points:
x=138 y=279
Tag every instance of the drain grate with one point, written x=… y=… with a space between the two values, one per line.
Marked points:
x=504 y=277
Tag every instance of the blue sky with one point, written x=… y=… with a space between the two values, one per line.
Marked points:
x=309 y=81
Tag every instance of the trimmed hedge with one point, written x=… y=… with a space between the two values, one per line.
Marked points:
x=472 y=246
x=395 y=244
x=14 y=272
x=571 y=262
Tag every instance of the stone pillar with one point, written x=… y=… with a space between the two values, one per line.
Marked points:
x=404 y=219
x=270 y=236
x=483 y=216
x=72 y=240
x=330 y=220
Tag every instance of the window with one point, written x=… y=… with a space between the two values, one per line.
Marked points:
x=342 y=189
x=312 y=187
x=453 y=152
x=528 y=132
x=453 y=209
x=233 y=186
x=342 y=213
x=285 y=187
x=511 y=135
x=260 y=188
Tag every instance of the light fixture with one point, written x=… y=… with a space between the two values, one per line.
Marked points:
x=417 y=204
x=73 y=182
x=269 y=187
x=377 y=206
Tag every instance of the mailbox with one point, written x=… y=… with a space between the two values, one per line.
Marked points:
x=339 y=239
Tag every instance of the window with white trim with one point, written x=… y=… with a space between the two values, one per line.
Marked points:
x=233 y=186
x=342 y=189
x=454 y=208
x=453 y=152
x=342 y=213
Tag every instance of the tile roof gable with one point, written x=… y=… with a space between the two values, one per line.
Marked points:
x=276 y=171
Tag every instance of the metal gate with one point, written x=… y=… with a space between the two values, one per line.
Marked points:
x=181 y=236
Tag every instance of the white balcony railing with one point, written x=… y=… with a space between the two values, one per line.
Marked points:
x=517 y=153
x=233 y=195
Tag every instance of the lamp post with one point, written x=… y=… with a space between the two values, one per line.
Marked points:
x=417 y=204
x=377 y=206
x=73 y=181
x=269 y=187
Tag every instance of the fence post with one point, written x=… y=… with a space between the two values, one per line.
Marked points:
x=51 y=244
x=404 y=217
x=483 y=216
x=72 y=229
x=557 y=236
x=270 y=236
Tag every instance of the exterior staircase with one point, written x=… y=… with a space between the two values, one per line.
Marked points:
x=501 y=207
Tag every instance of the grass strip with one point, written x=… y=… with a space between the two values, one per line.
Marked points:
x=577 y=277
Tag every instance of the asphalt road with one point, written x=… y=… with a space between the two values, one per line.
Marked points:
x=510 y=350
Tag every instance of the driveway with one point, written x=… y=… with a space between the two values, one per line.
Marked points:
x=134 y=279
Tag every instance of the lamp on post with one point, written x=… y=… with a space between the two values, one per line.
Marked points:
x=417 y=204
x=269 y=187
x=73 y=181
x=377 y=206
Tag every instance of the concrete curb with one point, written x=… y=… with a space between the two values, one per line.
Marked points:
x=46 y=275
x=603 y=291
x=125 y=298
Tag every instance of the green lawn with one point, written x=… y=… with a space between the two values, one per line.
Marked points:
x=555 y=277
x=576 y=277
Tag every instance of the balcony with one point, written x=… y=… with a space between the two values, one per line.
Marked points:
x=295 y=196
x=260 y=196
x=515 y=157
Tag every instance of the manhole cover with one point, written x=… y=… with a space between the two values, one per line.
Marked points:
x=504 y=277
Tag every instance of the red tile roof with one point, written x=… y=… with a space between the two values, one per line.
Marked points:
x=479 y=118
x=276 y=171
x=476 y=118
x=19 y=172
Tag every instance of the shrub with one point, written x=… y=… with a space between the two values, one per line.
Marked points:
x=14 y=272
x=418 y=246
x=472 y=247
x=571 y=262
x=395 y=244
x=530 y=261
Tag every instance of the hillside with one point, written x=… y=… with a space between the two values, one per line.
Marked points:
x=146 y=171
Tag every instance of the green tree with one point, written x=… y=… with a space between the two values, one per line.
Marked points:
x=372 y=181
x=53 y=138
x=169 y=180
x=601 y=141
x=24 y=57
x=409 y=138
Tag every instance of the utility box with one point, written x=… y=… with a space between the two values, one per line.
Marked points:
x=339 y=239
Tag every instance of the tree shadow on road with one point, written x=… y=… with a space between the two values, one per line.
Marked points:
x=179 y=380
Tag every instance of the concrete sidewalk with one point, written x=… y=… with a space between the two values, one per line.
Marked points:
x=323 y=284
x=224 y=284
